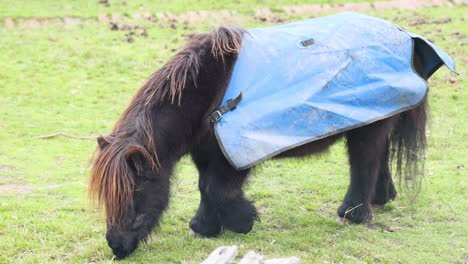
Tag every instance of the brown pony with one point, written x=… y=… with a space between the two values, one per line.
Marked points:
x=167 y=119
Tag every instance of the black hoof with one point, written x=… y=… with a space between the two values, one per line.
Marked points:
x=205 y=228
x=380 y=200
x=239 y=217
x=357 y=214
x=383 y=195
x=377 y=206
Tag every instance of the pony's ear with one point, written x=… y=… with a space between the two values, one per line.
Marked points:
x=137 y=158
x=132 y=152
x=102 y=142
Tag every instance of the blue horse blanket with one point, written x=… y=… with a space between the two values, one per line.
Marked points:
x=311 y=79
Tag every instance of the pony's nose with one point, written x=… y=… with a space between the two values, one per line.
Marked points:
x=119 y=251
x=122 y=243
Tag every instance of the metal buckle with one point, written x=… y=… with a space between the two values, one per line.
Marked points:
x=303 y=44
x=215 y=116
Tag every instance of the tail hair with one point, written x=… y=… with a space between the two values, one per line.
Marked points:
x=408 y=147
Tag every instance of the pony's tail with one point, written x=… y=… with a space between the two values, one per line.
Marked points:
x=111 y=184
x=408 y=147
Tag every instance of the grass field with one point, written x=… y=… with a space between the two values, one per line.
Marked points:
x=77 y=77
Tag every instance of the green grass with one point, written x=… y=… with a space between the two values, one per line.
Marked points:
x=78 y=79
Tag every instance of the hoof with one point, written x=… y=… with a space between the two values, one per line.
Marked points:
x=357 y=214
x=377 y=206
x=205 y=229
x=239 y=217
x=242 y=228
x=384 y=196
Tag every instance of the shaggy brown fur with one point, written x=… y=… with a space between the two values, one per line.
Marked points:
x=111 y=182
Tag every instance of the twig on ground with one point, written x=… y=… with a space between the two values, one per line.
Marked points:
x=63 y=184
x=350 y=210
x=56 y=134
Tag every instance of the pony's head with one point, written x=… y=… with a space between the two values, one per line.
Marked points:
x=127 y=180
x=131 y=169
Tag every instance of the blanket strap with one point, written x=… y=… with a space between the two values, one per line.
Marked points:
x=229 y=106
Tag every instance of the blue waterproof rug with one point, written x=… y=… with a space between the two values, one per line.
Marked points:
x=311 y=79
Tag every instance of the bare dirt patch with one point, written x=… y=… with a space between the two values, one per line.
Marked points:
x=104 y=2
x=424 y=21
x=5 y=178
x=232 y=17
x=131 y=31
x=7 y=168
x=10 y=187
x=13 y=188
x=365 y=7
x=266 y=15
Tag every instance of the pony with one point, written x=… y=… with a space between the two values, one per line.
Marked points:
x=168 y=118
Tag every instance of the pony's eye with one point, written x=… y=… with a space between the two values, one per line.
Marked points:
x=147 y=175
x=139 y=188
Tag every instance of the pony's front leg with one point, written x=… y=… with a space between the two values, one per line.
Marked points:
x=366 y=150
x=222 y=203
x=206 y=220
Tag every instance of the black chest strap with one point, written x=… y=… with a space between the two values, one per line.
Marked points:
x=230 y=105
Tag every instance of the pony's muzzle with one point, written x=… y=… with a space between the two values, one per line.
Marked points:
x=122 y=243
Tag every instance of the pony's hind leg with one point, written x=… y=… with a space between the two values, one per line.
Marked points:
x=366 y=150
x=222 y=202
x=384 y=189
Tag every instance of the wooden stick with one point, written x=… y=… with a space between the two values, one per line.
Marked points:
x=56 y=134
